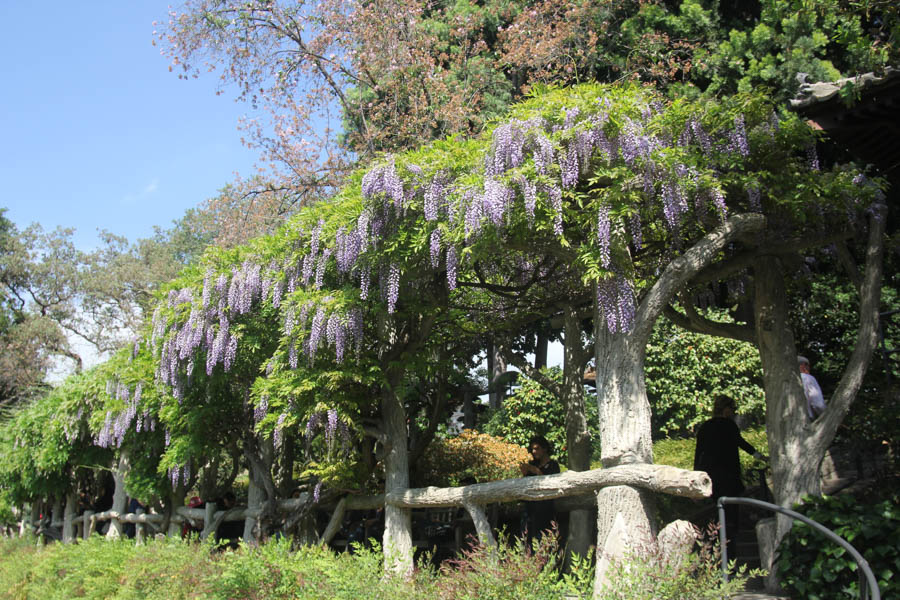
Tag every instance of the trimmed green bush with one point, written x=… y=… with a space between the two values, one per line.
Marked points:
x=533 y=410
x=686 y=371
x=815 y=568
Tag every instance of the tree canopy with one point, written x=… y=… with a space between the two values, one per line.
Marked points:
x=361 y=312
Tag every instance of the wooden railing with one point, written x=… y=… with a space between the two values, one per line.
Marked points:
x=572 y=489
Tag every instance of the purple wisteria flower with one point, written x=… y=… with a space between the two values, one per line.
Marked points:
x=393 y=289
x=615 y=298
x=364 y=282
x=230 y=353
x=529 y=195
x=293 y=355
x=496 y=200
x=320 y=269
x=355 y=328
x=383 y=180
x=555 y=196
x=674 y=203
x=259 y=413
x=331 y=424
x=569 y=167
x=738 y=137
x=700 y=136
x=315 y=334
x=634 y=226
x=451 y=267
x=435 y=248
x=317 y=492
x=718 y=200
x=507 y=148
x=278 y=434
x=544 y=155
x=435 y=196
x=603 y=234
x=474 y=212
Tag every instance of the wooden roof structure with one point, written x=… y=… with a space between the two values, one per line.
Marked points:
x=868 y=126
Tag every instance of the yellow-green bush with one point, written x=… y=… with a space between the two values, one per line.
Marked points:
x=449 y=461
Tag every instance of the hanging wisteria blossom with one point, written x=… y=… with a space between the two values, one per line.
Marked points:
x=603 y=235
x=393 y=290
x=434 y=244
x=451 y=267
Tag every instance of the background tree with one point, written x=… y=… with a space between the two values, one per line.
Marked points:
x=687 y=370
x=58 y=300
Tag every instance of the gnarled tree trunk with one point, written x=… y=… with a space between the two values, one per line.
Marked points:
x=624 y=513
x=68 y=531
x=397 y=542
x=796 y=445
x=624 y=516
x=578 y=436
x=120 y=500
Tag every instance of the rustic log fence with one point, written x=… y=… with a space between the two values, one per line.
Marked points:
x=571 y=489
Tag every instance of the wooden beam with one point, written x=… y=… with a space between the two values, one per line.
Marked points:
x=658 y=478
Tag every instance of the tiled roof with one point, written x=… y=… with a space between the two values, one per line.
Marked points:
x=868 y=126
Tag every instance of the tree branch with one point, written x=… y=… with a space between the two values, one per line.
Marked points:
x=521 y=363
x=658 y=478
x=681 y=270
x=693 y=321
x=744 y=260
x=849 y=265
x=826 y=426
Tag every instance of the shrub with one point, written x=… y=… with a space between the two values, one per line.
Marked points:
x=448 y=461
x=812 y=567
x=273 y=570
x=168 y=569
x=686 y=371
x=695 y=576
x=99 y=568
x=533 y=410
x=512 y=572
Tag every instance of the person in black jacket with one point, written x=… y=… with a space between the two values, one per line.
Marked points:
x=539 y=515
x=718 y=440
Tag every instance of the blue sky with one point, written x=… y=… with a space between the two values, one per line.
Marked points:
x=97 y=133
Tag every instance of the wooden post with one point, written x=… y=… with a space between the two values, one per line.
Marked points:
x=334 y=524
x=255 y=495
x=88 y=523
x=56 y=513
x=209 y=515
x=482 y=526
x=68 y=530
x=119 y=498
x=140 y=533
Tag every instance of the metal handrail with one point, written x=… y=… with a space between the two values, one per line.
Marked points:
x=866 y=575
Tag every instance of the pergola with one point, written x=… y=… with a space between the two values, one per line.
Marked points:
x=864 y=119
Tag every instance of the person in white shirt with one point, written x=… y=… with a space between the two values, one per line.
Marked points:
x=815 y=401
